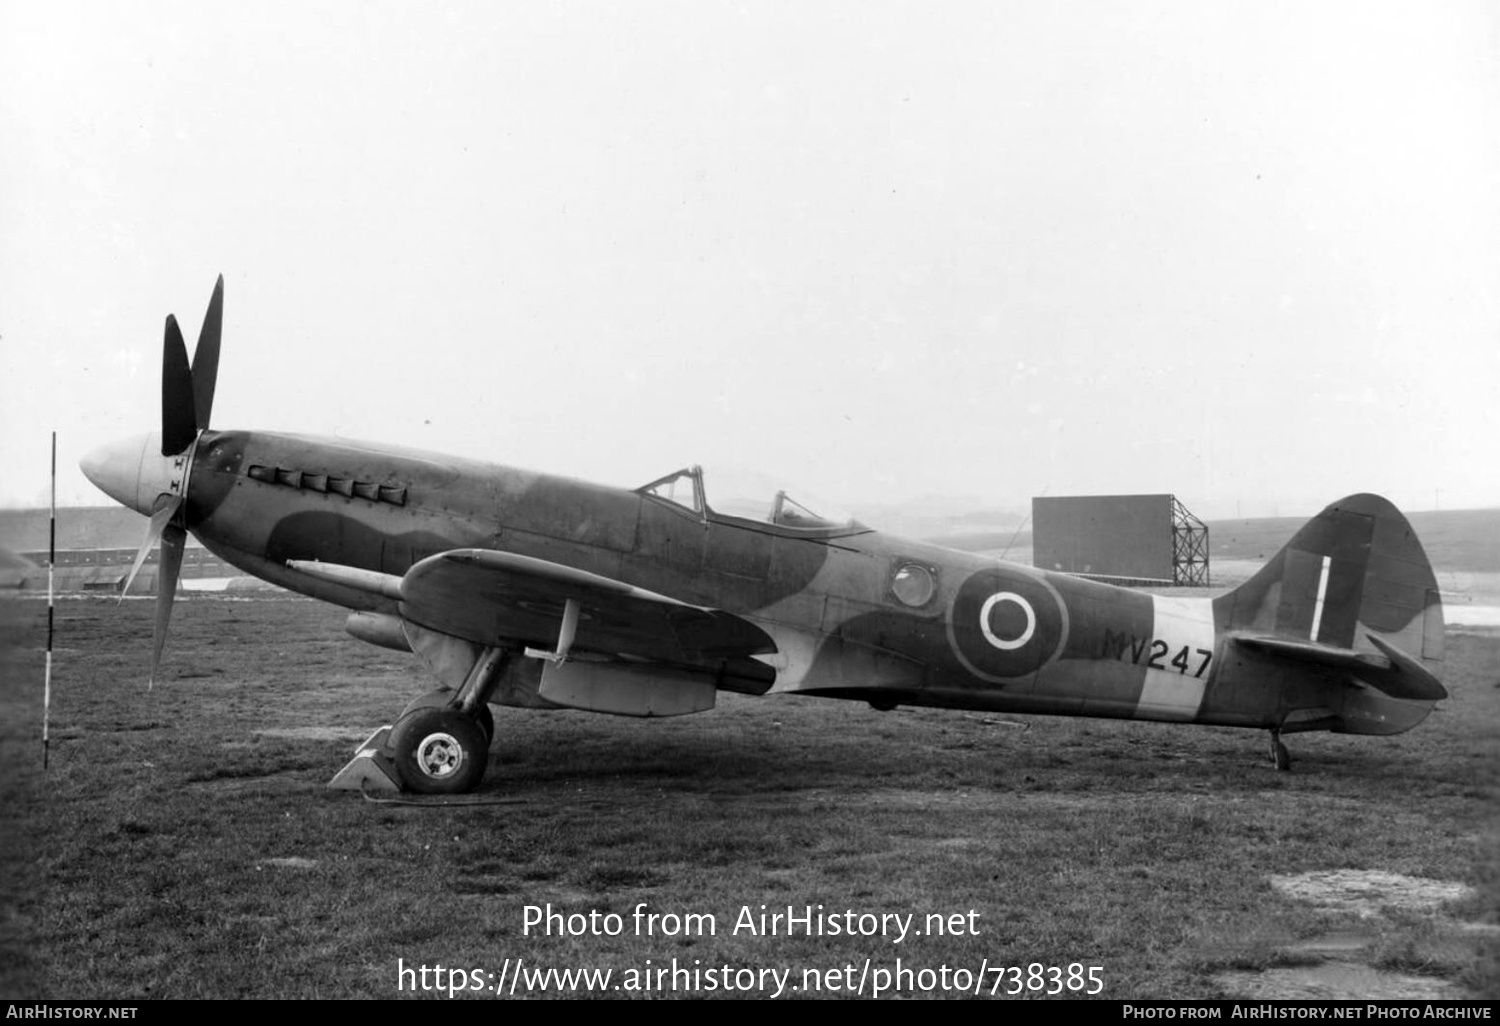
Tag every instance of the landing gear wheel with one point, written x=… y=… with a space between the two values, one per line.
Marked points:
x=435 y=699
x=439 y=751
x=441 y=698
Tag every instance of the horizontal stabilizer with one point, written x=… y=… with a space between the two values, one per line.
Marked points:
x=1416 y=681
x=1390 y=670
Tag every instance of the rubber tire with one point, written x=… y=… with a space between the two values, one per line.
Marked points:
x=441 y=697
x=435 y=699
x=439 y=731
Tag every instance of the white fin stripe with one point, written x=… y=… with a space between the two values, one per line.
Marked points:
x=1322 y=591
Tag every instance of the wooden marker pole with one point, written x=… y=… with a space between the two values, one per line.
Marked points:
x=51 y=562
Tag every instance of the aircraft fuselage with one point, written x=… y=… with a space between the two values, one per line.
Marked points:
x=854 y=613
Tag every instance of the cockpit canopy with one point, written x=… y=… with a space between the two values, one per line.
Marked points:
x=746 y=497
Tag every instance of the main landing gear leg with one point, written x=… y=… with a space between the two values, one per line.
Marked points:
x=440 y=744
x=1280 y=757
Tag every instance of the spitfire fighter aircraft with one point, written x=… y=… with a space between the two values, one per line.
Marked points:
x=522 y=589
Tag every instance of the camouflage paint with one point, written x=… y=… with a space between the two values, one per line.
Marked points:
x=988 y=636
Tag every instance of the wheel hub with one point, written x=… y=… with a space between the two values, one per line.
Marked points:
x=440 y=755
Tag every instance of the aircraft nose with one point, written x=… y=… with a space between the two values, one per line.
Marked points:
x=125 y=471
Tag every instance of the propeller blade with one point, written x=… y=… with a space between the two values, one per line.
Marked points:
x=172 y=540
x=166 y=508
x=206 y=356
x=179 y=421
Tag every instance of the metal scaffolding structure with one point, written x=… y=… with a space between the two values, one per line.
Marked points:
x=1189 y=548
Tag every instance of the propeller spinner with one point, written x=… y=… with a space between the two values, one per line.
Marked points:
x=132 y=473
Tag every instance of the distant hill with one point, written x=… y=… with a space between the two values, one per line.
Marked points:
x=1460 y=539
x=924 y=523
x=984 y=541
x=78 y=527
x=10 y=561
x=1464 y=539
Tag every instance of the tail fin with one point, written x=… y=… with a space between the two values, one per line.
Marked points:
x=1354 y=579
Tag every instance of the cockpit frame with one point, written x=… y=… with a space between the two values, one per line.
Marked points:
x=684 y=490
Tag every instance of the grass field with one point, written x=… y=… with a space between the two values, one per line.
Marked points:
x=183 y=844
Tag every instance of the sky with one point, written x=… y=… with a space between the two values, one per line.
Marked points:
x=963 y=253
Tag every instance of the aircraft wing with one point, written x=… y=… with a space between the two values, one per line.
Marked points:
x=1391 y=670
x=487 y=596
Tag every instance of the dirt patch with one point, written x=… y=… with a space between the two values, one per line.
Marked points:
x=1365 y=892
x=1328 y=945
x=292 y=862
x=1368 y=894
x=1338 y=981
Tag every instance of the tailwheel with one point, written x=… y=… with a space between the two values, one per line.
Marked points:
x=1280 y=757
x=439 y=750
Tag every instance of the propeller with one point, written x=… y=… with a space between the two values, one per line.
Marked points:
x=179 y=415
x=187 y=390
x=187 y=397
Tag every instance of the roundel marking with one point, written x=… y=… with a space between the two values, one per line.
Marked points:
x=1005 y=624
x=1004 y=644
